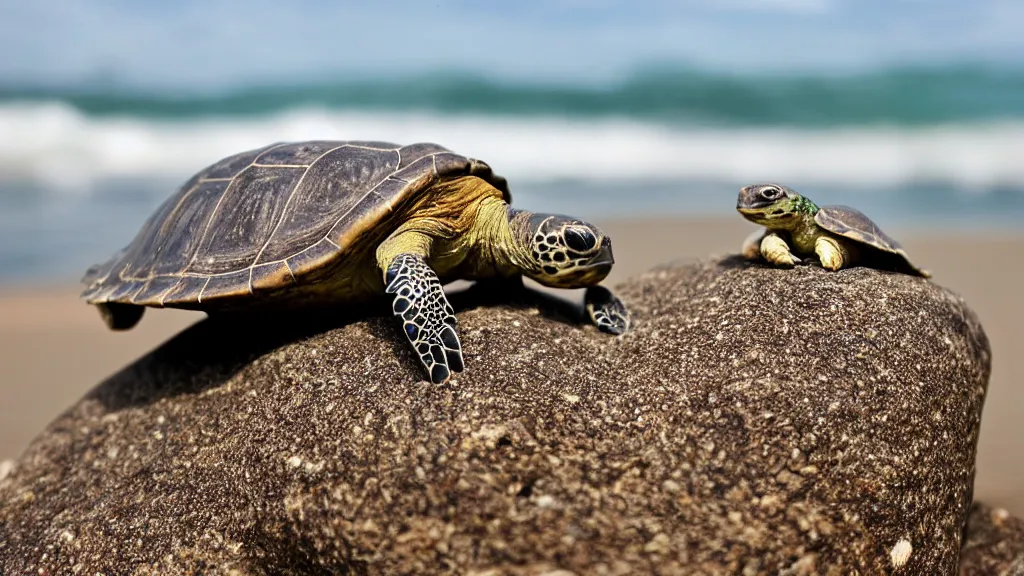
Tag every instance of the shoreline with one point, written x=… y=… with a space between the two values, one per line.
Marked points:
x=58 y=263
x=54 y=348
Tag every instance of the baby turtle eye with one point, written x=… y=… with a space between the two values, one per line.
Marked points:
x=580 y=239
x=771 y=193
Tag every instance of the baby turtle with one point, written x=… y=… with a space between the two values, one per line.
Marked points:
x=336 y=223
x=840 y=236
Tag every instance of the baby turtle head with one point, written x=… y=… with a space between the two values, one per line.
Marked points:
x=773 y=205
x=564 y=252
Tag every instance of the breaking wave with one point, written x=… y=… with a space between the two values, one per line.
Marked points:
x=55 y=145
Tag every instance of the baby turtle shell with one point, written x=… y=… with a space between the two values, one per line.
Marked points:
x=853 y=224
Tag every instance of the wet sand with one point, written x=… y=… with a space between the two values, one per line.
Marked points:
x=53 y=348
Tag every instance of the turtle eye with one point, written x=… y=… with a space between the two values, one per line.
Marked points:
x=580 y=239
x=771 y=193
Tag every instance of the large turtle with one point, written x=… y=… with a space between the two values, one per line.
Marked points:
x=839 y=236
x=328 y=223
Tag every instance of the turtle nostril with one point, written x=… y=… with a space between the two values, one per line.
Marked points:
x=606 y=242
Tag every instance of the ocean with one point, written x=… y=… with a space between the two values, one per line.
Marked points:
x=82 y=166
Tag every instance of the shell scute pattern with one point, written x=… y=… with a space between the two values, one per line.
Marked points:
x=259 y=219
x=156 y=288
x=243 y=220
x=186 y=288
x=312 y=258
x=294 y=154
x=333 y=188
x=270 y=276
x=126 y=290
x=232 y=165
x=416 y=152
x=231 y=285
x=854 y=224
x=178 y=239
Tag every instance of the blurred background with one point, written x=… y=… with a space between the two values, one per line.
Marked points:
x=646 y=116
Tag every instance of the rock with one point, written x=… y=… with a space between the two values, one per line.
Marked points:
x=995 y=543
x=754 y=421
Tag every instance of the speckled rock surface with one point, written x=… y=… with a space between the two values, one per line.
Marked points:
x=754 y=421
x=995 y=543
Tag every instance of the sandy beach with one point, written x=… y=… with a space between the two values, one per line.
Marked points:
x=53 y=348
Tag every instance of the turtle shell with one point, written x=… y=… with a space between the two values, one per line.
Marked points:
x=260 y=219
x=853 y=224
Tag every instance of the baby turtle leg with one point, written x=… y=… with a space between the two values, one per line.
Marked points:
x=428 y=320
x=775 y=250
x=833 y=253
x=751 y=249
x=118 y=316
x=606 y=310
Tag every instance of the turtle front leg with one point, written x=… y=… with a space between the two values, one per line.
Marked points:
x=751 y=248
x=428 y=320
x=833 y=253
x=775 y=250
x=606 y=310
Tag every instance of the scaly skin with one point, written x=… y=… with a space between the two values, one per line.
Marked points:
x=477 y=236
x=790 y=230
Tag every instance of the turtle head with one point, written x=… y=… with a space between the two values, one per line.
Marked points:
x=563 y=252
x=773 y=205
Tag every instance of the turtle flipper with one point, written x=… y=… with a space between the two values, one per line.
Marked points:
x=833 y=253
x=775 y=250
x=118 y=316
x=751 y=248
x=428 y=320
x=606 y=310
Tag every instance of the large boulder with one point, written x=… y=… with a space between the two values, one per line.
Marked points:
x=754 y=421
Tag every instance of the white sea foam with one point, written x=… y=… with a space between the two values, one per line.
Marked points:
x=55 y=146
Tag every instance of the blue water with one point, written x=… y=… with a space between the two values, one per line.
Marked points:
x=82 y=166
x=910 y=96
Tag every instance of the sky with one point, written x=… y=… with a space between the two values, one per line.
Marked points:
x=219 y=42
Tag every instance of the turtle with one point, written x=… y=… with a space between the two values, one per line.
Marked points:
x=794 y=226
x=336 y=224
